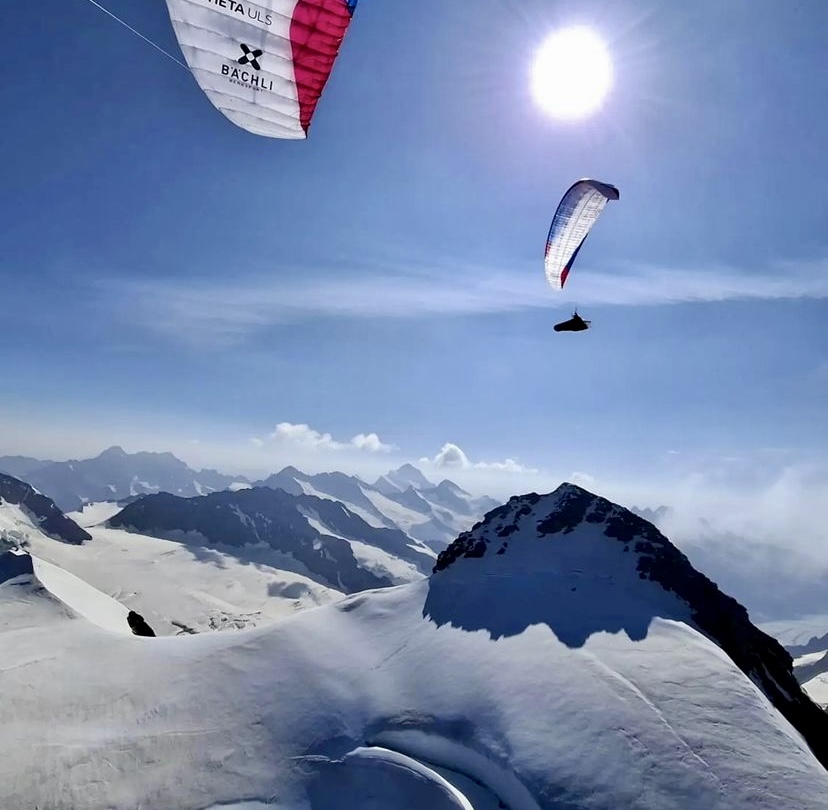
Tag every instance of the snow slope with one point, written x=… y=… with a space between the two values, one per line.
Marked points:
x=551 y=676
x=177 y=586
x=817 y=689
x=811 y=670
x=93 y=514
x=81 y=597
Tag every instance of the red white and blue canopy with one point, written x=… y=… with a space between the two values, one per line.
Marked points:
x=263 y=64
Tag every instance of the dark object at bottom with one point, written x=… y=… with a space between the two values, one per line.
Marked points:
x=138 y=625
x=575 y=324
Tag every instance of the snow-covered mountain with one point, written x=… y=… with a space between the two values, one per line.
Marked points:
x=402 y=498
x=695 y=598
x=21 y=508
x=816 y=685
x=336 y=547
x=816 y=644
x=811 y=667
x=564 y=655
x=116 y=475
x=406 y=477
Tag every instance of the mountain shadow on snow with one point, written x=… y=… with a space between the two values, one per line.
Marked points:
x=581 y=565
x=43 y=511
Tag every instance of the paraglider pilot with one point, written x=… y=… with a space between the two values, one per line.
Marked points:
x=575 y=324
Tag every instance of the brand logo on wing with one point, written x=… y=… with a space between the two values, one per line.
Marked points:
x=247 y=78
x=242 y=10
x=250 y=56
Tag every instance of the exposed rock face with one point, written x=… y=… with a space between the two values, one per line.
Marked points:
x=42 y=510
x=570 y=510
x=138 y=624
x=14 y=565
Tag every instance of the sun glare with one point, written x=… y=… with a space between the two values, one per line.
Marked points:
x=572 y=73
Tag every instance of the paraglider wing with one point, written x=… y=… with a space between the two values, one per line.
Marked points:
x=577 y=212
x=263 y=64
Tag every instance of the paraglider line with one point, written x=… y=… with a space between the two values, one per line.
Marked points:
x=139 y=34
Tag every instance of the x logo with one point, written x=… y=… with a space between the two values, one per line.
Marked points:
x=251 y=57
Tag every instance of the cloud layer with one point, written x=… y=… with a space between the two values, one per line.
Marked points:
x=221 y=311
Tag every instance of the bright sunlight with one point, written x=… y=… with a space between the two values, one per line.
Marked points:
x=572 y=73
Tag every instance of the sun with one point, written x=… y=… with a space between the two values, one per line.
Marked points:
x=572 y=73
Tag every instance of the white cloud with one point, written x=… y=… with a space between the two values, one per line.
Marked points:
x=305 y=437
x=777 y=504
x=450 y=455
x=453 y=457
x=508 y=465
x=371 y=443
x=216 y=311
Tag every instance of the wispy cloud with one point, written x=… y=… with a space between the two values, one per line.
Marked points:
x=227 y=311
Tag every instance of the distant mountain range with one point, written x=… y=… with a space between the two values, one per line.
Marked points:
x=403 y=499
x=114 y=475
x=317 y=534
x=337 y=547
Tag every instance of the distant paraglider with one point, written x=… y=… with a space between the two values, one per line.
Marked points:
x=577 y=212
x=263 y=64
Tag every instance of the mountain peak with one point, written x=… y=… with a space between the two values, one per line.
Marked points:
x=603 y=567
x=449 y=486
x=529 y=517
x=290 y=472
x=116 y=451
x=408 y=476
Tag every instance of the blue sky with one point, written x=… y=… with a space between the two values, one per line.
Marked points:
x=172 y=282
